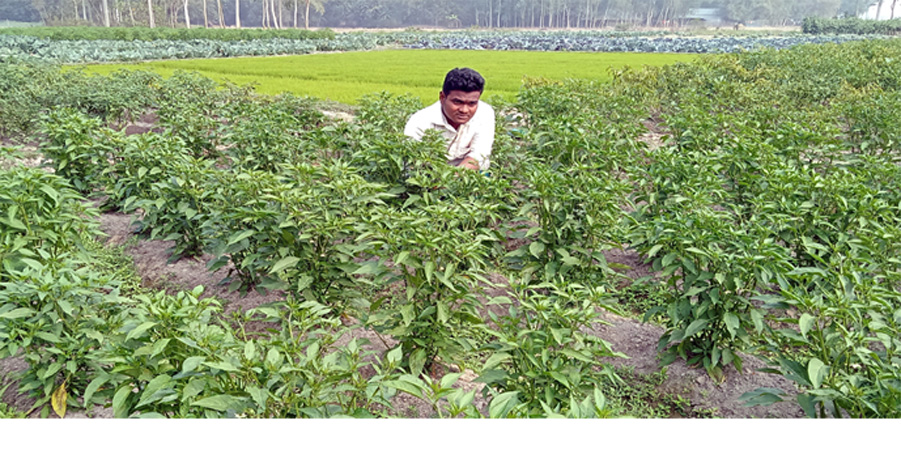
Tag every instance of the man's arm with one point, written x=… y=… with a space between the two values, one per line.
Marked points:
x=470 y=163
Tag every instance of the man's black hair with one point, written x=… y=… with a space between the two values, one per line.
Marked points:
x=465 y=79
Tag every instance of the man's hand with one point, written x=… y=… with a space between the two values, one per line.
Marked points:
x=469 y=163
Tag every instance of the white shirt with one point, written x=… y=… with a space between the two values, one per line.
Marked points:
x=474 y=138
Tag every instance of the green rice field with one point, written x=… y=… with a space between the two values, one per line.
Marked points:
x=345 y=77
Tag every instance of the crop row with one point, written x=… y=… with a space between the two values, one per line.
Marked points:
x=87 y=51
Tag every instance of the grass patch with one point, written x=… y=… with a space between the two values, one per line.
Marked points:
x=640 y=297
x=8 y=411
x=639 y=396
x=112 y=261
x=346 y=77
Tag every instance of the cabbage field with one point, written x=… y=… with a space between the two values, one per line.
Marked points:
x=117 y=44
x=757 y=188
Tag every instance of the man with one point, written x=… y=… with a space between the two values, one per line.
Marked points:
x=466 y=122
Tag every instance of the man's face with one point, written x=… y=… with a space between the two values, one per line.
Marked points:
x=459 y=106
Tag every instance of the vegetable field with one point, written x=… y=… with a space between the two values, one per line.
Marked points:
x=758 y=191
x=92 y=45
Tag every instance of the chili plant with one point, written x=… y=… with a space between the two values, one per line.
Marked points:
x=57 y=313
x=541 y=350
x=439 y=264
x=837 y=338
x=145 y=159
x=313 y=247
x=188 y=108
x=42 y=218
x=244 y=227
x=577 y=210
x=79 y=147
x=177 y=207
x=173 y=358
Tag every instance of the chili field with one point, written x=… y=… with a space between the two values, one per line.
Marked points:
x=756 y=190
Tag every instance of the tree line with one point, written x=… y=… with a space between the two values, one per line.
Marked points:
x=404 y=13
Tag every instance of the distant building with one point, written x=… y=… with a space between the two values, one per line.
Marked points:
x=711 y=17
x=890 y=9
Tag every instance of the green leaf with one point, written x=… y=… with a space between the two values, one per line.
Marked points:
x=95 y=335
x=304 y=282
x=806 y=270
x=139 y=330
x=579 y=356
x=761 y=397
x=18 y=313
x=816 y=371
x=757 y=319
x=194 y=387
x=238 y=237
x=448 y=380
x=260 y=395
x=491 y=377
x=48 y=337
x=221 y=365
x=119 y=400
x=93 y=386
x=368 y=268
x=443 y=313
x=806 y=323
x=401 y=257
x=808 y=405
x=502 y=404
x=273 y=357
x=157 y=383
x=192 y=363
x=695 y=327
x=159 y=346
x=732 y=323
x=429 y=271
x=409 y=384
x=494 y=360
x=250 y=351
x=394 y=356
x=65 y=306
x=284 y=263
x=668 y=259
x=221 y=403
x=51 y=370
x=417 y=361
x=537 y=249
